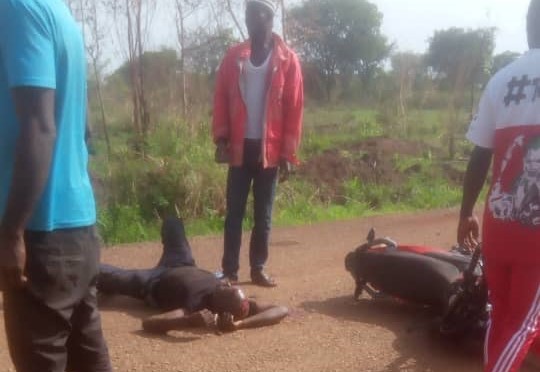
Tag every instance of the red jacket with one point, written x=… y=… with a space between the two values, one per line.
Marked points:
x=284 y=107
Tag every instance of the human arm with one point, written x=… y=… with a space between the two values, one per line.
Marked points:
x=482 y=134
x=33 y=155
x=260 y=316
x=29 y=63
x=475 y=177
x=285 y=169
x=179 y=319
x=293 y=111
x=220 y=114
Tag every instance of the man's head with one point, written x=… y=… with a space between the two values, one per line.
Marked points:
x=260 y=18
x=533 y=24
x=532 y=159
x=229 y=299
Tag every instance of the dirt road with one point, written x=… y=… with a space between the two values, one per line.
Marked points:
x=327 y=331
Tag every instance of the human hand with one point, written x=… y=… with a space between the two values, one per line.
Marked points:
x=222 y=152
x=468 y=232
x=12 y=260
x=285 y=169
x=226 y=323
x=204 y=318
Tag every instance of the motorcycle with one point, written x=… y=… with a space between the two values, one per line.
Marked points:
x=450 y=282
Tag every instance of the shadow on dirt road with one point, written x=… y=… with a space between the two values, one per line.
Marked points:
x=417 y=342
x=139 y=310
x=170 y=338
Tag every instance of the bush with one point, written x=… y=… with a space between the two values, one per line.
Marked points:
x=125 y=224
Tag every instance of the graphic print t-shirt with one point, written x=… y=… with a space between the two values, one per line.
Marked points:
x=508 y=121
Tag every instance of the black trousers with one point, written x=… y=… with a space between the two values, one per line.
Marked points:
x=53 y=324
x=138 y=283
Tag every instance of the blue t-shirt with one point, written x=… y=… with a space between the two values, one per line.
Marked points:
x=41 y=46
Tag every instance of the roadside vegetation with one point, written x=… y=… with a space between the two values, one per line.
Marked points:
x=384 y=128
x=351 y=167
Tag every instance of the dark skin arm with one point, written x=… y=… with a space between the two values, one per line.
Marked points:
x=177 y=320
x=475 y=178
x=33 y=155
x=262 y=316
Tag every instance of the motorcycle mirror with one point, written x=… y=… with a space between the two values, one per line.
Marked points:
x=371 y=235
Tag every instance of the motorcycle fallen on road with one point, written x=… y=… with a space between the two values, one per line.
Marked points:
x=451 y=283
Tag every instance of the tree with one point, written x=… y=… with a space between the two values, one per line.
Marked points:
x=407 y=67
x=206 y=49
x=160 y=70
x=184 y=10
x=339 y=37
x=461 y=57
x=134 y=16
x=284 y=20
x=87 y=13
x=94 y=40
x=231 y=8
x=502 y=60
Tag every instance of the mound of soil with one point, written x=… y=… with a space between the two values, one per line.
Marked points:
x=370 y=161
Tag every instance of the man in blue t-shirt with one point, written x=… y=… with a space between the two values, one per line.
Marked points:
x=49 y=250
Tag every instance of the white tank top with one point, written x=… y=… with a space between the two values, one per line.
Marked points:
x=255 y=97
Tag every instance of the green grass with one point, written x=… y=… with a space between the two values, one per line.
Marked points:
x=325 y=129
x=179 y=176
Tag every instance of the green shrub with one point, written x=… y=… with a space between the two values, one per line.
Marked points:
x=178 y=176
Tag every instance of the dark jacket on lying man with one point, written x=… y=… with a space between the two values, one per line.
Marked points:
x=189 y=296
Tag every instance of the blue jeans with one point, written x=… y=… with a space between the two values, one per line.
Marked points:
x=239 y=183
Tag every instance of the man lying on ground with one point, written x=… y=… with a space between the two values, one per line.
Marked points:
x=189 y=296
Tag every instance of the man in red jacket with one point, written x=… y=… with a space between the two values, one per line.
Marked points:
x=258 y=108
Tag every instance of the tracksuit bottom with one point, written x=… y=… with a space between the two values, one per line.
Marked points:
x=514 y=293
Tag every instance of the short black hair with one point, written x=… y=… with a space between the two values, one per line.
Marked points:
x=533 y=24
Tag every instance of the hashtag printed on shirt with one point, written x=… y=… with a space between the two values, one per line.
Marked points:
x=511 y=98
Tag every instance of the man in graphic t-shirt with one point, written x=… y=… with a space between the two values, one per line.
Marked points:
x=507 y=129
x=257 y=126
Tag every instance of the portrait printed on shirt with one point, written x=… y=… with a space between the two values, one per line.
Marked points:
x=515 y=195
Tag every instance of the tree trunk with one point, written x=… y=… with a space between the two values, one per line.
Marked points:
x=328 y=88
x=102 y=109
x=145 y=115
x=181 y=34
x=94 y=51
x=283 y=20
x=133 y=73
x=235 y=20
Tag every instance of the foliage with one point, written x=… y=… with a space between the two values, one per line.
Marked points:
x=321 y=130
x=462 y=59
x=408 y=64
x=460 y=55
x=125 y=224
x=206 y=48
x=345 y=57
x=178 y=176
x=339 y=37
x=502 y=60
